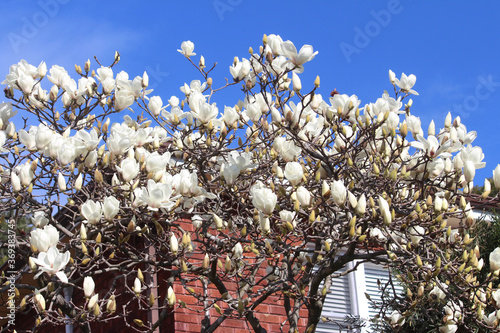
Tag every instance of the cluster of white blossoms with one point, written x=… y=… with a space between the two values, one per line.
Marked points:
x=44 y=240
x=275 y=166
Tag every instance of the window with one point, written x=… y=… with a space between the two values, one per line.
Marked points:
x=347 y=297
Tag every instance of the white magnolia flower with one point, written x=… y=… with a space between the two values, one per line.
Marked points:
x=230 y=172
x=304 y=196
x=264 y=199
x=39 y=220
x=496 y=176
x=439 y=291
x=297 y=59
x=58 y=75
x=286 y=148
x=361 y=205
x=230 y=116
x=448 y=328
x=155 y=196
x=396 y=318
x=123 y=99
x=171 y=296
x=416 y=233
x=294 y=172
x=91 y=211
x=110 y=208
x=129 y=169
x=237 y=251
x=93 y=302
x=88 y=286
x=43 y=239
x=187 y=48
x=155 y=105
x=39 y=301
x=406 y=83
x=174 y=244
x=15 y=182
x=137 y=286
x=288 y=216
x=240 y=69
x=491 y=319
x=297 y=84
x=430 y=145
x=385 y=210
x=496 y=297
x=53 y=262
x=338 y=192
x=495 y=259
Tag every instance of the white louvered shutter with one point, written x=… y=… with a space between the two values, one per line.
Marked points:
x=337 y=305
x=372 y=274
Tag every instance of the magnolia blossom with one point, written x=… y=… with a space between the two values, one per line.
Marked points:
x=396 y=318
x=230 y=116
x=91 y=211
x=438 y=291
x=110 y=208
x=137 y=286
x=174 y=244
x=155 y=196
x=361 y=205
x=406 y=83
x=495 y=259
x=230 y=172
x=171 y=298
x=297 y=84
x=298 y=59
x=88 y=286
x=237 y=251
x=43 y=239
x=416 y=233
x=39 y=220
x=156 y=105
x=265 y=223
x=294 y=172
x=129 y=169
x=93 y=302
x=264 y=199
x=39 y=301
x=385 y=210
x=286 y=148
x=15 y=182
x=496 y=176
x=288 y=216
x=338 y=192
x=187 y=48
x=303 y=196
x=53 y=262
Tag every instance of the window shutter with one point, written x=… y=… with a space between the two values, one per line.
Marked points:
x=337 y=305
x=372 y=274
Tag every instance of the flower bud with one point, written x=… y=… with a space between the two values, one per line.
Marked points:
x=111 y=305
x=171 y=298
x=88 y=286
x=137 y=286
x=39 y=301
x=174 y=244
x=206 y=261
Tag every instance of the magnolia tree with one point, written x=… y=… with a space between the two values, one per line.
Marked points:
x=283 y=189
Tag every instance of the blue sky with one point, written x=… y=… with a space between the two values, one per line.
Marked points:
x=451 y=46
